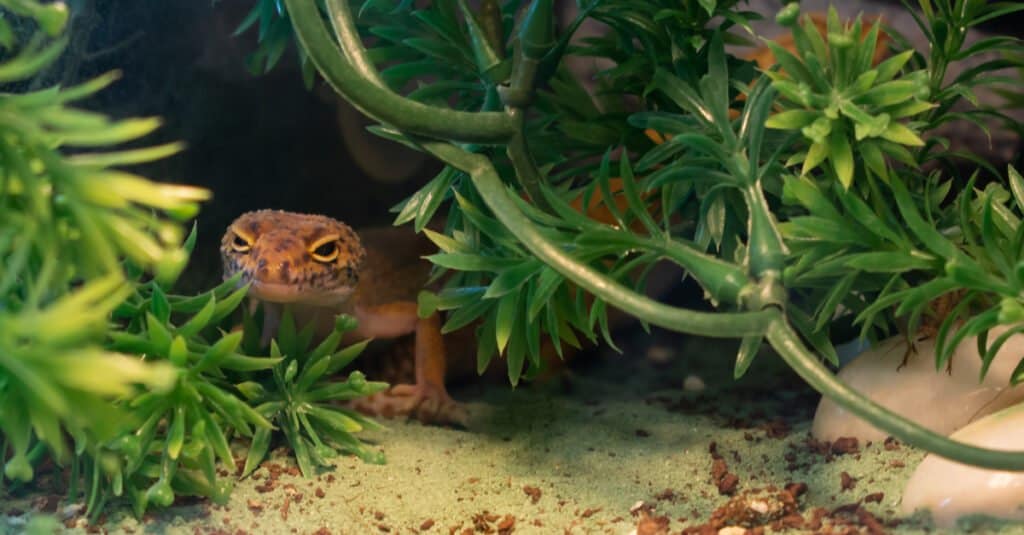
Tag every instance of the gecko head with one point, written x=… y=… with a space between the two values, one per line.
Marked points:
x=293 y=258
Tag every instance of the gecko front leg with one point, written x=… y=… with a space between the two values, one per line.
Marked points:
x=427 y=399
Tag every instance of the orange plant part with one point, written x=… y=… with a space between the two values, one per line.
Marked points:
x=765 y=59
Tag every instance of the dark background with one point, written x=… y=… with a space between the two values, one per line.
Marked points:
x=255 y=141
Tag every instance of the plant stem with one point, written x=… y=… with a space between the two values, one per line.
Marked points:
x=493 y=191
x=526 y=170
x=804 y=363
x=769 y=321
x=385 y=105
x=351 y=45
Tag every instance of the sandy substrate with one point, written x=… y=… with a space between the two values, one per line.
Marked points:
x=615 y=447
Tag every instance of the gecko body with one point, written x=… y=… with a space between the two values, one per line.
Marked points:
x=321 y=267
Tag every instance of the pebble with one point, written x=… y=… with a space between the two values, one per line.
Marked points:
x=693 y=383
x=938 y=400
x=951 y=490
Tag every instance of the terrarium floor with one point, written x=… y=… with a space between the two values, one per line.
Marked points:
x=572 y=455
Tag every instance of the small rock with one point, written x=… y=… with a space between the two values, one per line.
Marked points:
x=952 y=490
x=693 y=383
x=659 y=355
x=940 y=401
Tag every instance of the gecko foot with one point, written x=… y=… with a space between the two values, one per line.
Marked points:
x=430 y=404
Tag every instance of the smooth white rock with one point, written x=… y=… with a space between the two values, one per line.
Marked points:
x=939 y=401
x=951 y=490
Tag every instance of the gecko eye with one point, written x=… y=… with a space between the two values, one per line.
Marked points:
x=240 y=244
x=326 y=252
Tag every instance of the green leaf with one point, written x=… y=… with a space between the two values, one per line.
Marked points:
x=926 y=232
x=899 y=133
x=158 y=333
x=176 y=433
x=201 y=319
x=343 y=358
x=468 y=262
x=888 y=262
x=228 y=304
x=842 y=157
x=1016 y=186
x=792 y=119
x=891 y=67
x=30 y=61
x=258 y=448
x=888 y=94
x=243 y=363
x=749 y=347
x=872 y=156
x=486 y=344
x=505 y=319
x=835 y=296
x=804 y=190
x=218 y=352
x=683 y=95
x=159 y=306
x=511 y=279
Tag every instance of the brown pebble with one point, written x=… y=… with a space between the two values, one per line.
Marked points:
x=533 y=492
x=728 y=483
x=652 y=525
x=869 y=521
x=845 y=445
x=427 y=524
x=507 y=524
x=846 y=482
x=667 y=494
x=796 y=489
x=874 y=497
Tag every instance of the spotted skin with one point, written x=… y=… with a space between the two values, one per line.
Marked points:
x=321 y=268
x=278 y=249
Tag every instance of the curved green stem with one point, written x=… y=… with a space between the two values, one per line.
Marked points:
x=526 y=170
x=382 y=104
x=787 y=343
x=351 y=45
x=770 y=322
x=487 y=182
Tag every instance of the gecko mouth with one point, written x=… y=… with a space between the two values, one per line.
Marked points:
x=288 y=293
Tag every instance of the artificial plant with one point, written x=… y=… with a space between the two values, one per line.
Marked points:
x=805 y=196
x=137 y=391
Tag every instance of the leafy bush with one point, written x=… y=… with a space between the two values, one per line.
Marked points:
x=806 y=198
x=101 y=369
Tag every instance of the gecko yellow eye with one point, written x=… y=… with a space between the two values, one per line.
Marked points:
x=240 y=244
x=325 y=250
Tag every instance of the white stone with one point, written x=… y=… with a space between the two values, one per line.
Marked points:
x=937 y=400
x=693 y=383
x=951 y=490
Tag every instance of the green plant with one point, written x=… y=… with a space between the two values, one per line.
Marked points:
x=66 y=222
x=139 y=391
x=836 y=98
x=217 y=395
x=305 y=405
x=776 y=252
